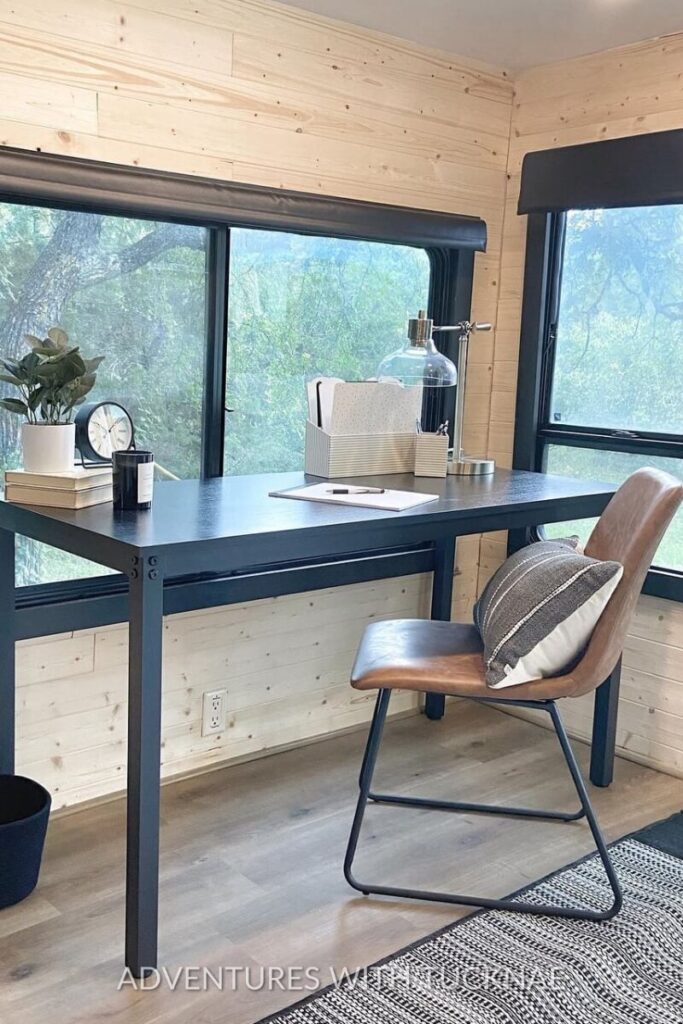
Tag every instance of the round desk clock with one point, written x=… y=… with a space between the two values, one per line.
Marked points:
x=101 y=429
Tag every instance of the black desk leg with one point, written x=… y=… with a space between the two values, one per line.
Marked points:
x=442 y=598
x=605 y=729
x=7 y=646
x=144 y=755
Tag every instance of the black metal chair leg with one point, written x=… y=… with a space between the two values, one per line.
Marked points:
x=474 y=808
x=519 y=906
x=372 y=728
x=366 y=773
x=456 y=805
x=580 y=785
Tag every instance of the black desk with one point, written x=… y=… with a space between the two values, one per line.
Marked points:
x=229 y=524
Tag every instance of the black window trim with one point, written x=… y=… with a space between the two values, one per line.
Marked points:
x=533 y=431
x=450 y=241
x=91 y=185
x=634 y=170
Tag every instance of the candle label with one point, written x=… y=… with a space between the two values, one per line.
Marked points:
x=145 y=481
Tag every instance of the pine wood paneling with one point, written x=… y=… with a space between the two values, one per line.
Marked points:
x=126 y=29
x=54 y=658
x=92 y=147
x=285 y=664
x=62 y=106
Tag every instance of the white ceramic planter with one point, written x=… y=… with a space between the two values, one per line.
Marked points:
x=48 y=449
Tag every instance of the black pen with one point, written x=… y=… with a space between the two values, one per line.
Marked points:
x=358 y=490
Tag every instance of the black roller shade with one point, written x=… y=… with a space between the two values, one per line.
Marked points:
x=640 y=170
x=91 y=185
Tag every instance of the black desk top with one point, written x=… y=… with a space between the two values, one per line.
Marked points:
x=239 y=509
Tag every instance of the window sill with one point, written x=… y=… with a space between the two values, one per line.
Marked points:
x=103 y=601
x=666 y=583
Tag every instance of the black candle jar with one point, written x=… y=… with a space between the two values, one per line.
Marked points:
x=133 y=473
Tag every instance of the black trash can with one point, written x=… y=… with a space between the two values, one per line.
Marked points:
x=24 y=813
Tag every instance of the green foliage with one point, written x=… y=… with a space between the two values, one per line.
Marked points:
x=150 y=321
x=619 y=351
x=51 y=379
x=613 y=468
x=619 y=361
x=300 y=307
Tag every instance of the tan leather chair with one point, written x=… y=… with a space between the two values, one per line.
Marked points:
x=446 y=658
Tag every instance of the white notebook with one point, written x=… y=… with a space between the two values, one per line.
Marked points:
x=390 y=501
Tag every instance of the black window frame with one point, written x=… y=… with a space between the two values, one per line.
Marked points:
x=534 y=431
x=450 y=241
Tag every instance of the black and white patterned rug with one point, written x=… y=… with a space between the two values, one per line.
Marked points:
x=496 y=967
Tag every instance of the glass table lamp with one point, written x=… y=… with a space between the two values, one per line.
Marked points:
x=420 y=364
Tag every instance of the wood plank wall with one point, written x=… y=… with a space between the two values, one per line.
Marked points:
x=627 y=91
x=257 y=92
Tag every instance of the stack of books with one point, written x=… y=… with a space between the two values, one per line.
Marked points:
x=79 y=488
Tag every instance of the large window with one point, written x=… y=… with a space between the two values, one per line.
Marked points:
x=612 y=371
x=619 y=330
x=302 y=306
x=145 y=294
x=131 y=290
x=213 y=303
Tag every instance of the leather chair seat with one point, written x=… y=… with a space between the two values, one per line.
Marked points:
x=419 y=654
x=438 y=657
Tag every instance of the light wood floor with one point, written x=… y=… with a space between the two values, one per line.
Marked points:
x=251 y=867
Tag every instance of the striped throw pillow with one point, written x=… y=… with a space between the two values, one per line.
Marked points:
x=538 y=611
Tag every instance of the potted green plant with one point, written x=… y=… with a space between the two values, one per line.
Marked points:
x=51 y=380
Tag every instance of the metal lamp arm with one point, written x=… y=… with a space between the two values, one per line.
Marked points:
x=460 y=463
x=465 y=327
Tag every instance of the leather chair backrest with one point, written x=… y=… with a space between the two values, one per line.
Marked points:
x=628 y=531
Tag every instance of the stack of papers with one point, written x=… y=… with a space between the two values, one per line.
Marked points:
x=390 y=501
x=363 y=407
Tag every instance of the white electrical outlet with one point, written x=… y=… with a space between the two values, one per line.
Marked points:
x=214 y=712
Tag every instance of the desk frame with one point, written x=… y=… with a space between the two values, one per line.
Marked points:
x=430 y=543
